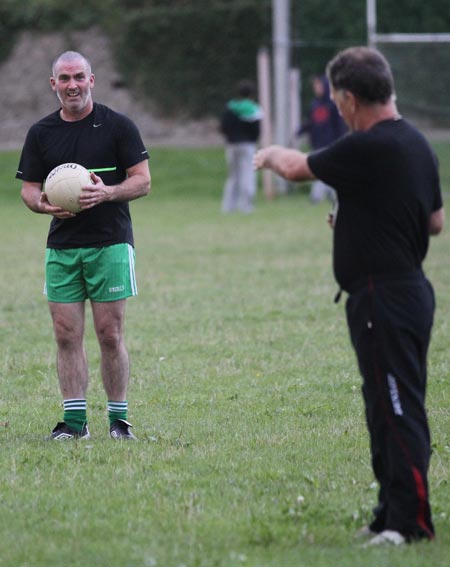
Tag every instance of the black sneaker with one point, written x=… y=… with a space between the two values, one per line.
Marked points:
x=120 y=429
x=63 y=431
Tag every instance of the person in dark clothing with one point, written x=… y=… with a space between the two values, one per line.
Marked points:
x=90 y=255
x=240 y=125
x=387 y=182
x=324 y=125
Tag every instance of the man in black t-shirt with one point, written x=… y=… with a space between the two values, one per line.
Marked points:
x=387 y=183
x=89 y=255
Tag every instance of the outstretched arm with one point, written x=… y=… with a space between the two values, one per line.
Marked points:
x=290 y=164
x=36 y=200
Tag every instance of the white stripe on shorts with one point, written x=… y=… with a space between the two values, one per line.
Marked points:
x=131 y=264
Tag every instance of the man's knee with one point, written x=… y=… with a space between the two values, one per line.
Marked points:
x=110 y=337
x=67 y=335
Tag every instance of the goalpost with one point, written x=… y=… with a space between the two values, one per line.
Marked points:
x=420 y=66
x=373 y=37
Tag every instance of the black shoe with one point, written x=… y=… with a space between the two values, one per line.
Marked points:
x=63 y=431
x=120 y=429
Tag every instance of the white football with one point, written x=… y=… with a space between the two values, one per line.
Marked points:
x=63 y=186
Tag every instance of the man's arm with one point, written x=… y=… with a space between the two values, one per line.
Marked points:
x=137 y=184
x=290 y=164
x=36 y=200
x=437 y=219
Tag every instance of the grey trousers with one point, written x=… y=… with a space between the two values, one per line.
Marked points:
x=240 y=187
x=321 y=191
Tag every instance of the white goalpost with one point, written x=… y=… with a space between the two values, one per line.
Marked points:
x=419 y=62
x=373 y=37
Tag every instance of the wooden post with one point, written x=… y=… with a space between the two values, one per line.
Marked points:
x=264 y=97
x=295 y=109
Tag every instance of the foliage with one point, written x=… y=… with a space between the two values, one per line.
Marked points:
x=194 y=54
x=413 y=16
x=10 y=25
x=47 y=16
x=52 y=15
x=245 y=394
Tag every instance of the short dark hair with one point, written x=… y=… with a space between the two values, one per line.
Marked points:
x=364 y=72
x=245 y=88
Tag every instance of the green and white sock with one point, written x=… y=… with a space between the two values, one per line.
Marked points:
x=75 y=414
x=117 y=410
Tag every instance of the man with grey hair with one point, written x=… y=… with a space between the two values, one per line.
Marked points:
x=387 y=182
x=90 y=255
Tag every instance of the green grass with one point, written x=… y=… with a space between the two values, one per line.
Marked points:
x=245 y=394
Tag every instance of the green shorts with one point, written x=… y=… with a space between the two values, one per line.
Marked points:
x=99 y=274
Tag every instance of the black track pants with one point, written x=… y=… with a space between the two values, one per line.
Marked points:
x=390 y=324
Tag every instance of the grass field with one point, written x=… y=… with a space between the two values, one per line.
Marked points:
x=245 y=394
